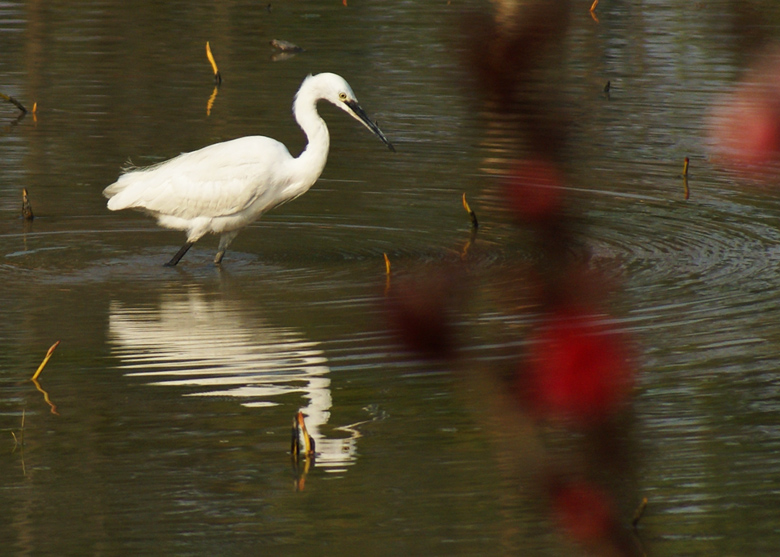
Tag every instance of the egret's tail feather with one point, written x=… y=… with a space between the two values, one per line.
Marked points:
x=112 y=190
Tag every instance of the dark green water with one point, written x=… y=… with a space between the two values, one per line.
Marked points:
x=174 y=388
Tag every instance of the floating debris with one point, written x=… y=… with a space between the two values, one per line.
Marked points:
x=285 y=46
x=217 y=75
x=472 y=214
x=27 y=212
x=387 y=264
x=685 y=167
x=607 y=87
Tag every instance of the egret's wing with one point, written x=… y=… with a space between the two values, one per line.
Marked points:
x=218 y=180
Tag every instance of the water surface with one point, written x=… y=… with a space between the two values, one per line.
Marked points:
x=173 y=389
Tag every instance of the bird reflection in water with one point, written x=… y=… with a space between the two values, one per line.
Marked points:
x=213 y=345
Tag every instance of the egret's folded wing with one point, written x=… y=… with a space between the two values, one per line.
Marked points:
x=218 y=180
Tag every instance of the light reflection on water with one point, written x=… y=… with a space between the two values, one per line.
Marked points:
x=208 y=345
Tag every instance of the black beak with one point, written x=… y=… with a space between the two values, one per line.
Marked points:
x=363 y=117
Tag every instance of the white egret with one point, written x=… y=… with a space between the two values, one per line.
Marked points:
x=223 y=187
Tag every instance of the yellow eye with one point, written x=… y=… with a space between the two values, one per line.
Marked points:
x=342 y=96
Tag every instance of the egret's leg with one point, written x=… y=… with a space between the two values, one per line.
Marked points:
x=179 y=254
x=224 y=242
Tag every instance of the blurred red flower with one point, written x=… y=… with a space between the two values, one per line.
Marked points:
x=745 y=126
x=418 y=309
x=583 y=510
x=533 y=191
x=579 y=368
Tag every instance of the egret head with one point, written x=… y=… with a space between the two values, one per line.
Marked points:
x=334 y=88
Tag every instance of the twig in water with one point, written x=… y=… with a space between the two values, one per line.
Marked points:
x=14 y=102
x=472 y=214
x=303 y=451
x=46 y=397
x=211 y=100
x=19 y=441
x=592 y=11
x=27 y=211
x=686 y=189
x=639 y=512
x=45 y=360
x=387 y=274
x=217 y=75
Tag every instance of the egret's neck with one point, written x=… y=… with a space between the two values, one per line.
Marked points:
x=311 y=161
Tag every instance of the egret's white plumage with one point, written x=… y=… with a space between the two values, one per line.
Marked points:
x=221 y=188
